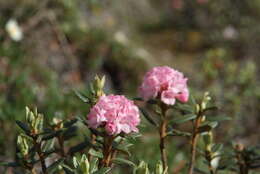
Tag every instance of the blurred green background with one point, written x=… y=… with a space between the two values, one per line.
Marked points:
x=62 y=44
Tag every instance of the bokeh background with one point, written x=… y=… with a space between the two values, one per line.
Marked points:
x=49 y=48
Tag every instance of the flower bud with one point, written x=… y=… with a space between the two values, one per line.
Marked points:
x=142 y=168
x=215 y=160
x=23 y=144
x=84 y=164
x=57 y=123
x=208 y=140
x=159 y=168
x=99 y=85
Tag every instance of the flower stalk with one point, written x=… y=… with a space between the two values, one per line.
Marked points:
x=107 y=152
x=163 y=134
x=194 y=140
x=243 y=168
x=40 y=154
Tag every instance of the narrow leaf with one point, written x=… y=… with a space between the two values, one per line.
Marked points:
x=148 y=118
x=219 y=118
x=83 y=97
x=184 y=118
x=9 y=164
x=124 y=161
x=102 y=171
x=23 y=126
x=184 y=107
x=70 y=122
x=53 y=167
x=79 y=147
x=217 y=147
x=95 y=153
x=205 y=128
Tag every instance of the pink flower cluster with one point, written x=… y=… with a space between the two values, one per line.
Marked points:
x=165 y=83
x=115 y=113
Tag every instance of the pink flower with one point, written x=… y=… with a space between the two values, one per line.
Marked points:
x=165 y=83
x=115 y=113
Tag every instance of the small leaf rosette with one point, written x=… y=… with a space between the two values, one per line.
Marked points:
x=165 y=84
x=115 y=113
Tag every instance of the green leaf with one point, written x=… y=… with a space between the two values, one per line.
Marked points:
x=205 y=128
x=93 y=165
x=212 y=124
x=103 y=170
x=70 y=123
x=199 y=171
x=9 y=164
x=95 y=153
x=51 y=135
x=210 y=108
x=184 y=107
x=83 y=97
x=159 y=168
x=148 y=118
x=47 y=153
x=124 y=161
x=97 y=133
x=48 y=145
x=23 y=126
x=84 y=164
x=138 y=99
x=53 y=167
x=219 y=118
x=123 y=148
x=70 y=132
x=192 y=100
x=217 y=147
x=67 y=169
x=227 y=164
x=184 y=118
x=79 y=147
x=175 y=132
x=75 y=162
x=254 y=166
x=142 y=168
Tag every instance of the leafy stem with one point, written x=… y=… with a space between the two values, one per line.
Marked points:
x=40 y=154
x=241 y=161
x=163 y=134
x=61 y=143
x=209 y=159
x=107 y=152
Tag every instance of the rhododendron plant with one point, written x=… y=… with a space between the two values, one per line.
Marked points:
x=112 y=125
x=116 y=113
x=166 y=84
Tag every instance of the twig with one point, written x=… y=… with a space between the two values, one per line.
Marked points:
x=209 y=159
x=163 y=134
x=41 y=155
x=61 y=143
x=243 y=168
x=194 y=140
x=93 y=141
x=107 y=152
x=162 y=144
